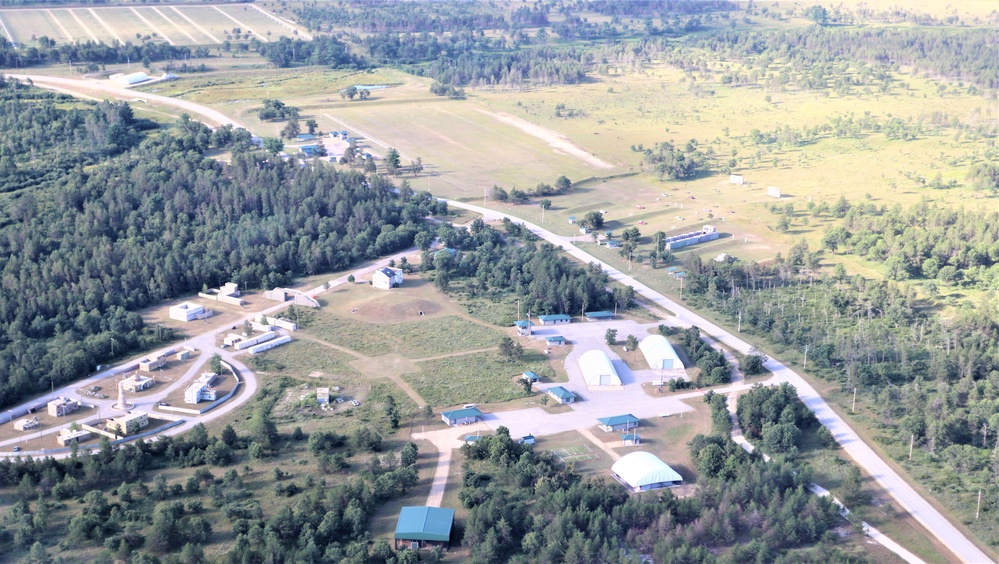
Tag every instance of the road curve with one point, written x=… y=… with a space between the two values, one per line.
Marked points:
x=948 y=535
x=73 y=86
x=927 y=515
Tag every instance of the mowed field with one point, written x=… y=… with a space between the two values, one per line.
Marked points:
x=176 y=25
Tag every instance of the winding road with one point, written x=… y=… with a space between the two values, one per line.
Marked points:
x=934 y=522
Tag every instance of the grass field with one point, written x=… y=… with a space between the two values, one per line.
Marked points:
x=174 y=24
x=481 y=378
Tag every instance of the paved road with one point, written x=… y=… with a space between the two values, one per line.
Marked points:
x=206 y=343
x=862 y=454
x=76 y=87
x=869 y=460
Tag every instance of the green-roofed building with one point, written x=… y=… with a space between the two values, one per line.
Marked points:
x=618 y=422
x=555 y=340
x=523 y=327
x=562 y=395
x=598 y=315
x=555 y=319
x=421 y=527
x=530 y=376
x=462 y=416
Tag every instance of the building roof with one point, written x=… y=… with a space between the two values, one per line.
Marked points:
x=555 y=339
x=390 y=272
x=555 y=317
x=639 y=469
x=531 y=375
x=425 y=523
x=618 y=420
x=598 y=315
x=462 y=413
x=523 y=323
x=597 y=369
x=630 y=437
x=561 y=393
x=656 y=349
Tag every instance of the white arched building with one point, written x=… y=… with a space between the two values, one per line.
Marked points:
x=642 y=471
x=597 y=369
x=659 y=353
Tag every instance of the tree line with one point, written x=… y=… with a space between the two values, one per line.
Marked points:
x=48 y=52
x=480 y=261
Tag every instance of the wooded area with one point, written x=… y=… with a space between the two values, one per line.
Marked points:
x=484 y=263
x=82 y=250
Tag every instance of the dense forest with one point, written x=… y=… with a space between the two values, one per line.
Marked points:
x=929 y=379
x=83 y=250
x=485 y=263
x=814 y=53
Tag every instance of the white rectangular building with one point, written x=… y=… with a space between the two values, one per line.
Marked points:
x=187 y=311
x=201 y=389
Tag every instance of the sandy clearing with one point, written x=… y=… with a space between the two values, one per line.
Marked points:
x=554 y=140
x=201 y=29
x=241 y=24
x=153 y=26
x=83 y=25
x=286 y=23
x=61 y=27
x=175 y=26
x=101 y=21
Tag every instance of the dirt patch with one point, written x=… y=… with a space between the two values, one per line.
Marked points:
x=385 y=364
x=557 y=142
x=385 y=311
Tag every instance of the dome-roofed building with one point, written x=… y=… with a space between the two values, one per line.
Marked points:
x=659 y=353
x=597 y=369
x=643 y=471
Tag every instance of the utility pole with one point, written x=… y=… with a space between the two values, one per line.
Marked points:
x=739 y=329
x=912 y=439
x=805 y=365
x=854 y=408
x=979 y=510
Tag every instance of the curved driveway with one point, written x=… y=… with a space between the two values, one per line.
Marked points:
x=862 y=454
x=904 y=494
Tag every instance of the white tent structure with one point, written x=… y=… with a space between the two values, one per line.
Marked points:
x=642 y=471
x=597 y=369
x=659 y=353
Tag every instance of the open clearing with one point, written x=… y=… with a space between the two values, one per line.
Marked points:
x=179 y=25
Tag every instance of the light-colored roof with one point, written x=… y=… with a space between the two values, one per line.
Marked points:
x=597 y=369
x=425 y=523
x=639 y=469
x=656 y=349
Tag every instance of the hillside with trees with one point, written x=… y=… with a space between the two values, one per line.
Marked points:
x=82 y=248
